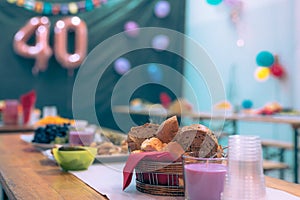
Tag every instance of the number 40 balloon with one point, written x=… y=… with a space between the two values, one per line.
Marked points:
x=41 y=51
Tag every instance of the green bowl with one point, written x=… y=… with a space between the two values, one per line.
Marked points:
x=74 y=158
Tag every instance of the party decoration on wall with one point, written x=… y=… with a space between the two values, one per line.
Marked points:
x=41 y=51
x=65 y=8
x=265 y=58
x=277 y=69
x=62 y=27
x=262 y=73
x=247 y=104
x=268 y=64
x=160 y=42
x=131 y=29
x=236 y=8
x=155 y=73
x=162 y=9
x=122 y=65
x=214 y=2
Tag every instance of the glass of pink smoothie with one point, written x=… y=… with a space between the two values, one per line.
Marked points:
x=203 y=177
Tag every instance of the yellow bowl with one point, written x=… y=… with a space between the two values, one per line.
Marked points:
x=74 y=158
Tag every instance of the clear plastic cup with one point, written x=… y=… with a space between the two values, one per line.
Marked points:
x=203 y=177
x=244 y=178
x=49 y=111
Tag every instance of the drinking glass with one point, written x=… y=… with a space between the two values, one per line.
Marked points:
x=203 y=177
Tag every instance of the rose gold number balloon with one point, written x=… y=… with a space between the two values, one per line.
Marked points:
x=62 y=27
x=41 y=51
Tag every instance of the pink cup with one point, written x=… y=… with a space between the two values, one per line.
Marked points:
x=203 y=177
x=10 y=112
x=81 y=137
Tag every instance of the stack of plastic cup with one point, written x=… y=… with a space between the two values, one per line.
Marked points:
x=244 y=179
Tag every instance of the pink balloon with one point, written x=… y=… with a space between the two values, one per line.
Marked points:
x=132 y=29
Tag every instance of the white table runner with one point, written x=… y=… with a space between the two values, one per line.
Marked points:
x=107 y=179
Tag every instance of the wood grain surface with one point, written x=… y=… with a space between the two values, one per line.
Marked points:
x=26 y=174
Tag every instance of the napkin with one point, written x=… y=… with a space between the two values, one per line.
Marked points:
x=28 y=102
x=135 y=158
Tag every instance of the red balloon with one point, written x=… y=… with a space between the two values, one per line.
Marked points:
x=277 y=70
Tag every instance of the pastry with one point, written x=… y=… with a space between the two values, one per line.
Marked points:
x=152 y=144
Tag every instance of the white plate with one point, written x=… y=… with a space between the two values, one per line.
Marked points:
x=111 y=158
x=29 y=137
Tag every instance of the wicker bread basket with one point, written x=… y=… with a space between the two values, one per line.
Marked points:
x=160 y=178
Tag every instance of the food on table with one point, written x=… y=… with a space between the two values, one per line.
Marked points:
x=108 y=148
x=113 y=136
x=152 y=144
x=54 y=120
x=270 y=108
x=223 y=105
x=138 y=134
x=180 y=106
x=195 y=137
x=167 y=130
x=52 y=133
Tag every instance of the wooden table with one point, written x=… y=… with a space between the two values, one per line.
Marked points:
x=293 y=121
x=26 y=174
x=15 y=128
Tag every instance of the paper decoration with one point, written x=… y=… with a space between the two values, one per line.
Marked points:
x=49 y=8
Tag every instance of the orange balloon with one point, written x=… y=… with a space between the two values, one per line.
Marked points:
x=62 y=27
x=41 y=51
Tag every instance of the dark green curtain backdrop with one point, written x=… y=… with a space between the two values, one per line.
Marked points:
x=54 y=86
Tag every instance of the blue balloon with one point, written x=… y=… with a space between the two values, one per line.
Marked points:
x=265 y=59
x=154 y=72
x=247 y=104
x=214 y=2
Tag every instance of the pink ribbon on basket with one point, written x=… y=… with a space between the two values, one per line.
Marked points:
x=135 y=158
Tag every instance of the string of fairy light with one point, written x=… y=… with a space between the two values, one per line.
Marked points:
x=66 y=8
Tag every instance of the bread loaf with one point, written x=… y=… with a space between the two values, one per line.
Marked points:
x=197 y=137
x=167 y=130
x=137 y=135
